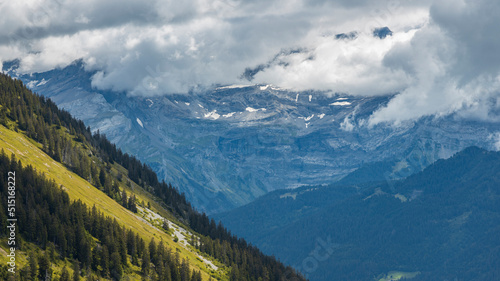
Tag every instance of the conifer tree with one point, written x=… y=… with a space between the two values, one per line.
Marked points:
x=124 y=198
x=44 y=267
x=33 y=266
x=76 y=271
x=145 y=266
x=105 y=261
x=102 y=177
x=185 y=270
x=131 y=203
x=115 y=266
x=64 y=275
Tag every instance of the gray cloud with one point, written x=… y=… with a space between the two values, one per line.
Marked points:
x=473 y=25
x=441 y=58
x=453 y=63
x=25 y=21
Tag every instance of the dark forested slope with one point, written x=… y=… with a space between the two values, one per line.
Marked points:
x=72 y=228
x=442 y=223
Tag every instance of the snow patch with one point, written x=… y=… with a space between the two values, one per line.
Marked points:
x=43 y=82
x=341 y=103
x=307 y=118
x=139 y=122
x=321 y=116
x=263 y=88
x=349 y=122
x=150 y=102
x=250 y=109
x=32 y=84
x=289 y=195
x=229 y=115
x=200 y=105
x=342 y=99
x=297 y=98
x=232 y=87
x=212 y=115
x=187 y=103
x=277 y=88
x=310 y=98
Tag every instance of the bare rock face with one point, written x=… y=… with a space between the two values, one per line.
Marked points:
x=229 y=145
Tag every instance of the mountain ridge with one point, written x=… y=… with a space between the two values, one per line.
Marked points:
x=426 y=223
x=227 y=146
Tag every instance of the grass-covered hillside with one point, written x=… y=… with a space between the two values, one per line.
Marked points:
x=84 y=206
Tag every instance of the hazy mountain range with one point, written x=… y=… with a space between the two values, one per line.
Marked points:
x=226 y=146
x=439 y=224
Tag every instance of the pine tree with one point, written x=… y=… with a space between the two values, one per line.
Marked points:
x=160 y=271
x=152 y=250
x=33 y=266
x=185 y=270
x=76 y=271
x=64 y=275
x=102 y=177
x=115 y=266
x=131 y=203
x=167 y=275
x=145 y=267
x=132 y=247
x=44 y=268
x=122 y=248
x=124 y=198
x=196 y=276
x=105 y=261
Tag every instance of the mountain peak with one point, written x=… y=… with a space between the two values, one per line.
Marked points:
x=382 y=32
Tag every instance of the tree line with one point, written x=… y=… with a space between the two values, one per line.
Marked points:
x=97 y=244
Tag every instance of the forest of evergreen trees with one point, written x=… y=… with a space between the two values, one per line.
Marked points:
x=48 y=218
x=67 y=140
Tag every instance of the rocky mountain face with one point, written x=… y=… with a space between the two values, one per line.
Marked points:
x=229 y=145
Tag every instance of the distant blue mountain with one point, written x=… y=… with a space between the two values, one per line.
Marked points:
x=440 y=224
x=382 y=32
x=347 y=36
x=229 y=145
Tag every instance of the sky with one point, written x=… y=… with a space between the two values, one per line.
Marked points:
x=442 y=58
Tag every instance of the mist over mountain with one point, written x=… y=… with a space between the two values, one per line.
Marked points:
x=231 y=144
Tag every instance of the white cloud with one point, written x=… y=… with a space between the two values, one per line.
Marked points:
x=442 y=58
x=353 y=67
x=158 y=47
x=453 y=63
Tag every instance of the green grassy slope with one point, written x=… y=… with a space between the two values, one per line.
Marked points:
x=29 y=152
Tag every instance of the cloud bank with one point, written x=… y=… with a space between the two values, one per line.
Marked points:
x=453 y=64
x=441 y=58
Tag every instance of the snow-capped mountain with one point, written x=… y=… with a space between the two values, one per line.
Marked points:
x=227 y=146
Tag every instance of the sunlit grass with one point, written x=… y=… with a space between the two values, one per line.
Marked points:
x=30 y=153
